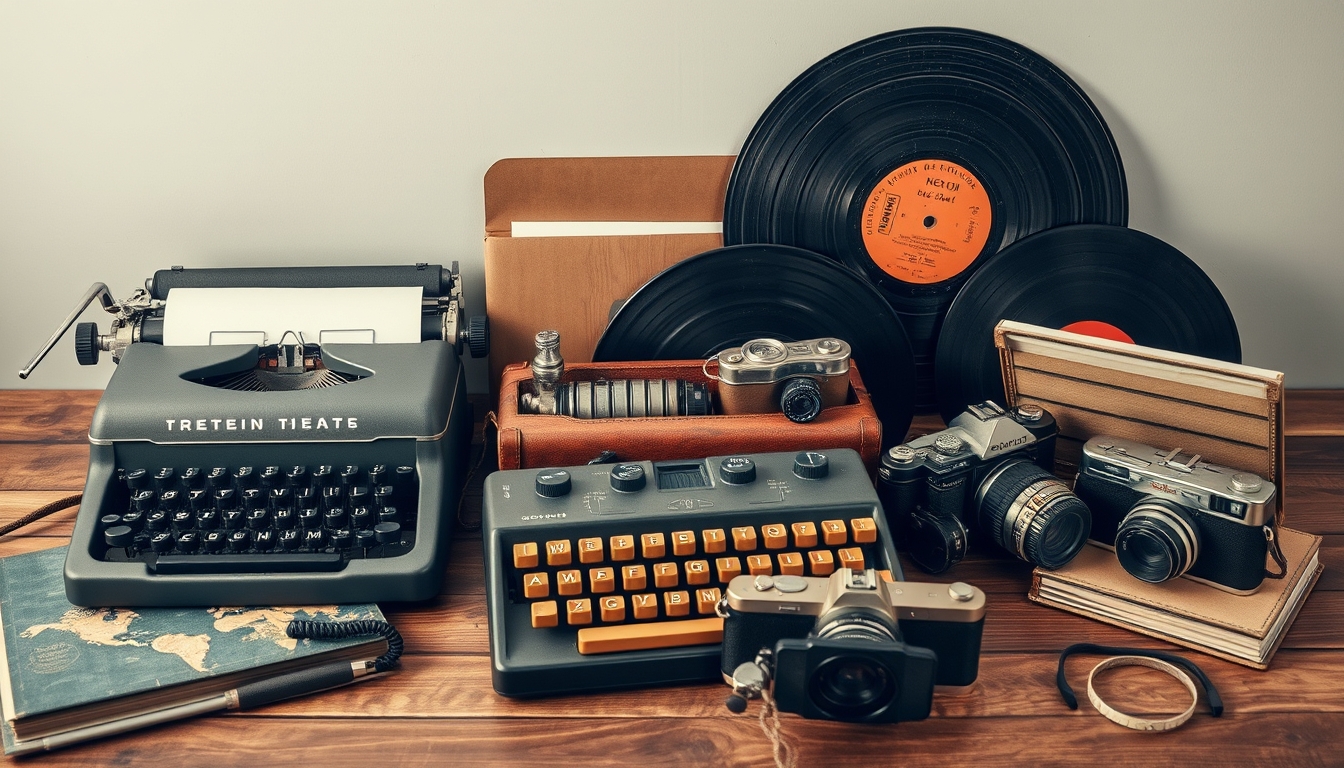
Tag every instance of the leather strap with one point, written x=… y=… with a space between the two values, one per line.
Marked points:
x=1132 y=721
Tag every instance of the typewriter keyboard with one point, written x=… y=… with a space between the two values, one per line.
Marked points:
x=271 y=519
x=608 y=576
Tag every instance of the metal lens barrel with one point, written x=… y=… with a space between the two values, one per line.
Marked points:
x=631 y=398
x=1157 y=541
x=1032 y=514
x=849 y=686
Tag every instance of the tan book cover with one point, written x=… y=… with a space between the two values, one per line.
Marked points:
x=1246 y=629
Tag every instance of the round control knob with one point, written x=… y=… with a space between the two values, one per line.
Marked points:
x=737 y=470
x=901 y=454
x=553 y=483
x=119 y=536
x=763 y=350
x=948 y=445
x=478 y=335
x=387 y=533
x=1245 y=482
x=790 y=583
x=1029 y=413
x=827 y=346
x=801 y=400
x=811 y=465
x=763 y=583
x=960 y=591
x=86 y=343
x=627 y=478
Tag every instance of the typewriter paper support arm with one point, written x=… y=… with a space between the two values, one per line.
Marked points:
x=97 y=291
x=127 y=315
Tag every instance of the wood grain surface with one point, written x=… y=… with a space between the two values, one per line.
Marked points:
x=439 y=708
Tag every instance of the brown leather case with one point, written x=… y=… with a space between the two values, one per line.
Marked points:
x=531 y=440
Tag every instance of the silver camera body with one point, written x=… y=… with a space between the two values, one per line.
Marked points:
x=797 y=378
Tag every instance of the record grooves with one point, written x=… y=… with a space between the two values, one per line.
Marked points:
x=914 y=156
x=729 y=296
x=1105 y=281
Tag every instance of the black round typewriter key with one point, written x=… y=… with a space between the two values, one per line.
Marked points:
x=388 y=515
x=361 y=517
x=189 y=541
x=281 y=497
x=259 y=519
x=214 y=541
x=364 y=539
x=382 y=494
x=332 y=497
x=144 y=500
x=224 y=499
x=253 y=499
x=349 y=475
x=156 y=521
x=627 y=478
x=314 y=539
x=387 y=533
x=341 y=538
x=119 y=536
x=239 y=541
x=552 y=483
x=737 y=470
x=162 y=542
x=165 y=478
x=404 y=479
x=233 y=519
x=244 y=478
x=305 y=498
x=207 y=519
x=296 y=476
x=170 y=500
x=289 y=540
x=271 y=477
x=137 y=479
x=357 y=496
x=218 y=478
x=336 y=518
x=107 y=521
x=192 y=478
x=285 y=518
x=310 y=518
x=263 y=540
x=183 y=520
x=134 y=519
x=323 y=474
x=199 y=500
x=378 y=474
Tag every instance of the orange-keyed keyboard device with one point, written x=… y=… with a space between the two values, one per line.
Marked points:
x=608 y=576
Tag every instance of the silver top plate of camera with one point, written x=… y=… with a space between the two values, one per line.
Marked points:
x=984 y=431
x=1182 y=477
x=768 y=360
x=908 y=599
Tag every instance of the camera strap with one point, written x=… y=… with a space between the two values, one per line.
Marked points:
x=1174 y=665
x=1277 y=553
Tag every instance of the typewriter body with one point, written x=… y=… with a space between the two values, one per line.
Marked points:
x=267 y=466
x=609 y=576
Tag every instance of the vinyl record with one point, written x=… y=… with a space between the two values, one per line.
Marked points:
x=1103 y=281
x=914 y=156
x=729 y=296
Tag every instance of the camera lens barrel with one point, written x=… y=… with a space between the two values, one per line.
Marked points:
x=935 y=542
x=801 y=400
x=631 y=398
x=1032 y=514
x=1157 y=541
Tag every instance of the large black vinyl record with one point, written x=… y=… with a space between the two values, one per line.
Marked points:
x=1103 y=281
x=729 y=296
x=914 y=156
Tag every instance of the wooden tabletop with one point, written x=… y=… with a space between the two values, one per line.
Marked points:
x=439 y=709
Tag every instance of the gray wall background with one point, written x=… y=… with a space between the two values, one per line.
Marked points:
x=137 y=135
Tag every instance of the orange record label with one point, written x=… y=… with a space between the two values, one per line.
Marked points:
x=926 y=221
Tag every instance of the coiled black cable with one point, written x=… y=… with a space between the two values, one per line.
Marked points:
x=301 y=629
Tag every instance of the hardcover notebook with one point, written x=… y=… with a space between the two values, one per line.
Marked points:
x=1246 y=629
x=64 y=667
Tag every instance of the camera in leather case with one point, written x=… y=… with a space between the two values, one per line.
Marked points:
x=851 y=646
x=990 y=467
x=1168 y=514
x=797 y=378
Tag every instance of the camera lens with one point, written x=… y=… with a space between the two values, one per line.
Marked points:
x=1030 y=513
x=1157 y=541
x=631 y=398
x=852 y=687
x=801 y=400
x=934 y=542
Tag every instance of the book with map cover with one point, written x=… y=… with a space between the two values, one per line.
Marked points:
x=64 y=668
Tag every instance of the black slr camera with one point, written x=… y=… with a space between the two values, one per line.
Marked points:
x=991 y=468
x=852 y=646
x=1170 y=515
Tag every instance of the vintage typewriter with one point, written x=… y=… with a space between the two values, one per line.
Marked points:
x=608 y=576
x=274 y=436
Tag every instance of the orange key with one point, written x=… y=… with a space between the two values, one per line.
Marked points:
x=677 y=603
x=536 y=585
x=544 y=614
x=729 y=568
x=601 y=580
x=851 y=558
x=790 y=564
x=804 y=535
x=683 y=543
x=590 y=550
x=525 y=555
x=833 y=532
x=613 y=608
x=697 y=571
x=646 y=606
x=707 y=599
x=759 y=565
x=579 y=611
x=715 y=541
x=569 y=583
x=642 y=637
x=744 y=539
x=822 y=562
x=776 y=536
x=865 y=530
x=633 y=578
x=558 y=553
x=622 y=548
x=665 y=575
x=653 y=545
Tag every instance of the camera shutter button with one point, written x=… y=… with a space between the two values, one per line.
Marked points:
x=790 y=584
x=960 y=591
x=1030 y=412
x=948 y=445
x=828 y=346
x=763 y=583
x=1245 y=482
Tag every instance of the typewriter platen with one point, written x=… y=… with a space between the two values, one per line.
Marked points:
x=307 y=447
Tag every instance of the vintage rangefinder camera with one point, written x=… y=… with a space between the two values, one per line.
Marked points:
x=851 y=647
x=1168 y=514
x=797 y=378
x=991 y=469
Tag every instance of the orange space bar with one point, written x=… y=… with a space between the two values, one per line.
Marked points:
x=642 y=637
